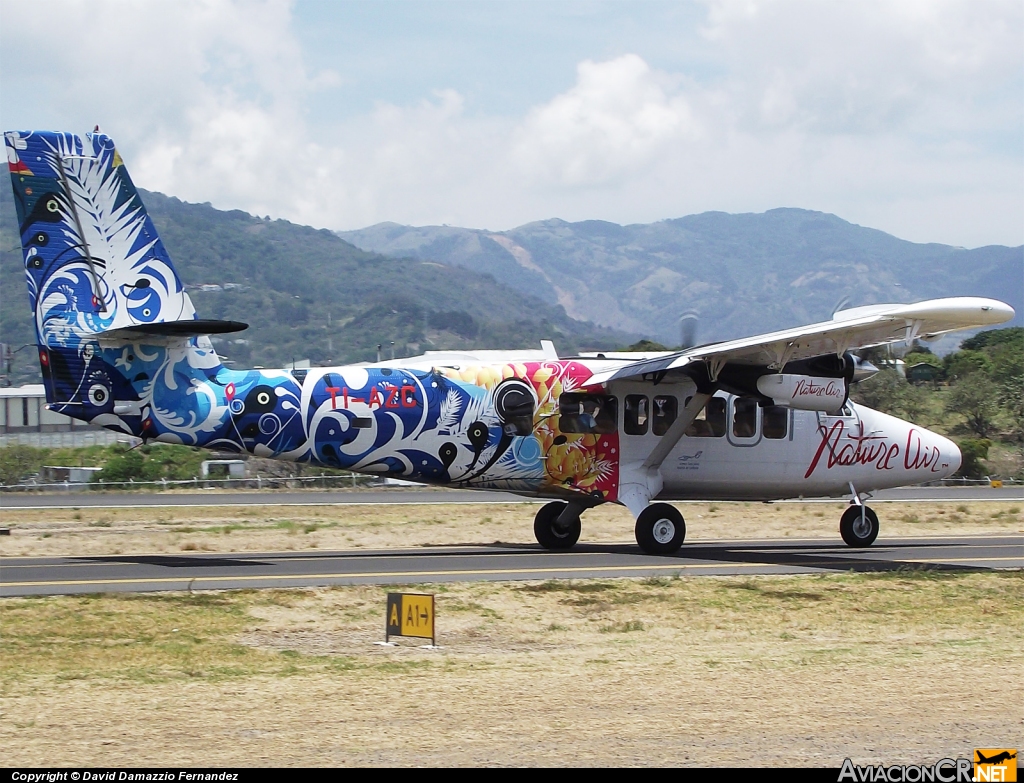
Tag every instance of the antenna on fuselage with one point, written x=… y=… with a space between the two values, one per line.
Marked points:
x=378 y=352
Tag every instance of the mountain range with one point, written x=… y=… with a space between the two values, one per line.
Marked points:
x=740 y=273
x=332 y=297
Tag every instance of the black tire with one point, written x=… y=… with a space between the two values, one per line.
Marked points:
x=660 y=529
x=548 y=534
x=856 y=532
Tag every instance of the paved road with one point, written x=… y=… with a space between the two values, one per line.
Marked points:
x=146 y=573
x=15 y=501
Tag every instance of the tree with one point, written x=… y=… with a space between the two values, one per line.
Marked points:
x=964 y=363
x=152 y=463
x=645 y=346
x=1013 y=335
x=974 y=398
x=888 y=391
x=972 y=451
x=19 y=462
x=1008 y=373
x=919 y=357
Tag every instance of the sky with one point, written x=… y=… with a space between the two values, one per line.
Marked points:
x=901 y=115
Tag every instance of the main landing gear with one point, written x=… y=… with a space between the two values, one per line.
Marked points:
x=859 y=526
x=660 y=528
x=557 y=526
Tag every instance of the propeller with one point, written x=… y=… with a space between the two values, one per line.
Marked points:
x=840 y=305
x=688 y=329
x=862 y=369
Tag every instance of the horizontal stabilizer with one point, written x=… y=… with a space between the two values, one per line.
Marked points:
x=191 y=327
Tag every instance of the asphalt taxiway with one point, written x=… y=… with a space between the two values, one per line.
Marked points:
x=25 y=576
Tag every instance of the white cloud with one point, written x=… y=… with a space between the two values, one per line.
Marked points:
x=611 y=125
x=898 y=114
x=864 y=67
x=205 y=97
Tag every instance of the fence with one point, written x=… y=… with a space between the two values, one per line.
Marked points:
x=257 y=483
x=308 y=483
x=960 y=481
x=66 y=439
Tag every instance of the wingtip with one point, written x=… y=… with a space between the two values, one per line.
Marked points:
x=980 y=311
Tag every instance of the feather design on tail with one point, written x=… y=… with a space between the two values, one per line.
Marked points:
x=105 y=219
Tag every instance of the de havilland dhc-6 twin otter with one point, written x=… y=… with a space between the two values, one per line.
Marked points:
x=761 y=418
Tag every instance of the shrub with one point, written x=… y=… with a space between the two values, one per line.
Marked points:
x=152 y=463
x=973 y=451
x=20 y=462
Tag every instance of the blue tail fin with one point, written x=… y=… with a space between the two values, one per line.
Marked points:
x=93 y=259
x=92 y=254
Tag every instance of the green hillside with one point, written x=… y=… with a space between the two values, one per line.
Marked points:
x=309 y=295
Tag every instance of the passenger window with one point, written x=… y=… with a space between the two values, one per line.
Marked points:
x=636 y=416
x=744 y=417
x=589 y=413
x=775 y=422
x=664 y=414
x=710 y=422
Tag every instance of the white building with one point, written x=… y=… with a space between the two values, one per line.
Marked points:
x=24 y=419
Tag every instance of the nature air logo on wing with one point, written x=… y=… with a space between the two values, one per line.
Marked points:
x=995 y=764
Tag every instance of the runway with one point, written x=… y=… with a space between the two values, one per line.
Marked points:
x=22 y=501
x=149 y=573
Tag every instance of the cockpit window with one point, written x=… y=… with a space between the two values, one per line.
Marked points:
x=591 y=413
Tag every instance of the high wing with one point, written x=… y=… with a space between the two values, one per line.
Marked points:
x=859 y=327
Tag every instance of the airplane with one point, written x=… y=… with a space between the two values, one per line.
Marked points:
x=761 y=418
x=996 y=759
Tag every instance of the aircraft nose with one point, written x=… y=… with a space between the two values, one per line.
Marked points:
x=951 y=456
x=929 y=456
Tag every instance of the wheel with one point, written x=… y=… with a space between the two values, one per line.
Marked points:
x=660 y=529
x=857 y=529
x=550 y=535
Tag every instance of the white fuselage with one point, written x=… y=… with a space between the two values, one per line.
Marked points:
x=796 y=454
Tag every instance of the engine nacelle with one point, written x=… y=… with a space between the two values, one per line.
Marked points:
x=804 y=392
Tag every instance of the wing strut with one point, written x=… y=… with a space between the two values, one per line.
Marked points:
x=675 y=432
x=640 y=483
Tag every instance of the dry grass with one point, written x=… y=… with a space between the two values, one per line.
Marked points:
x=702 y=671
x=93 y=531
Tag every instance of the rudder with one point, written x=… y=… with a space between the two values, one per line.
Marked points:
x=93 y=259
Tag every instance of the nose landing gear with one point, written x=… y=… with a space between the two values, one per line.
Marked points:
x=859 y=526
